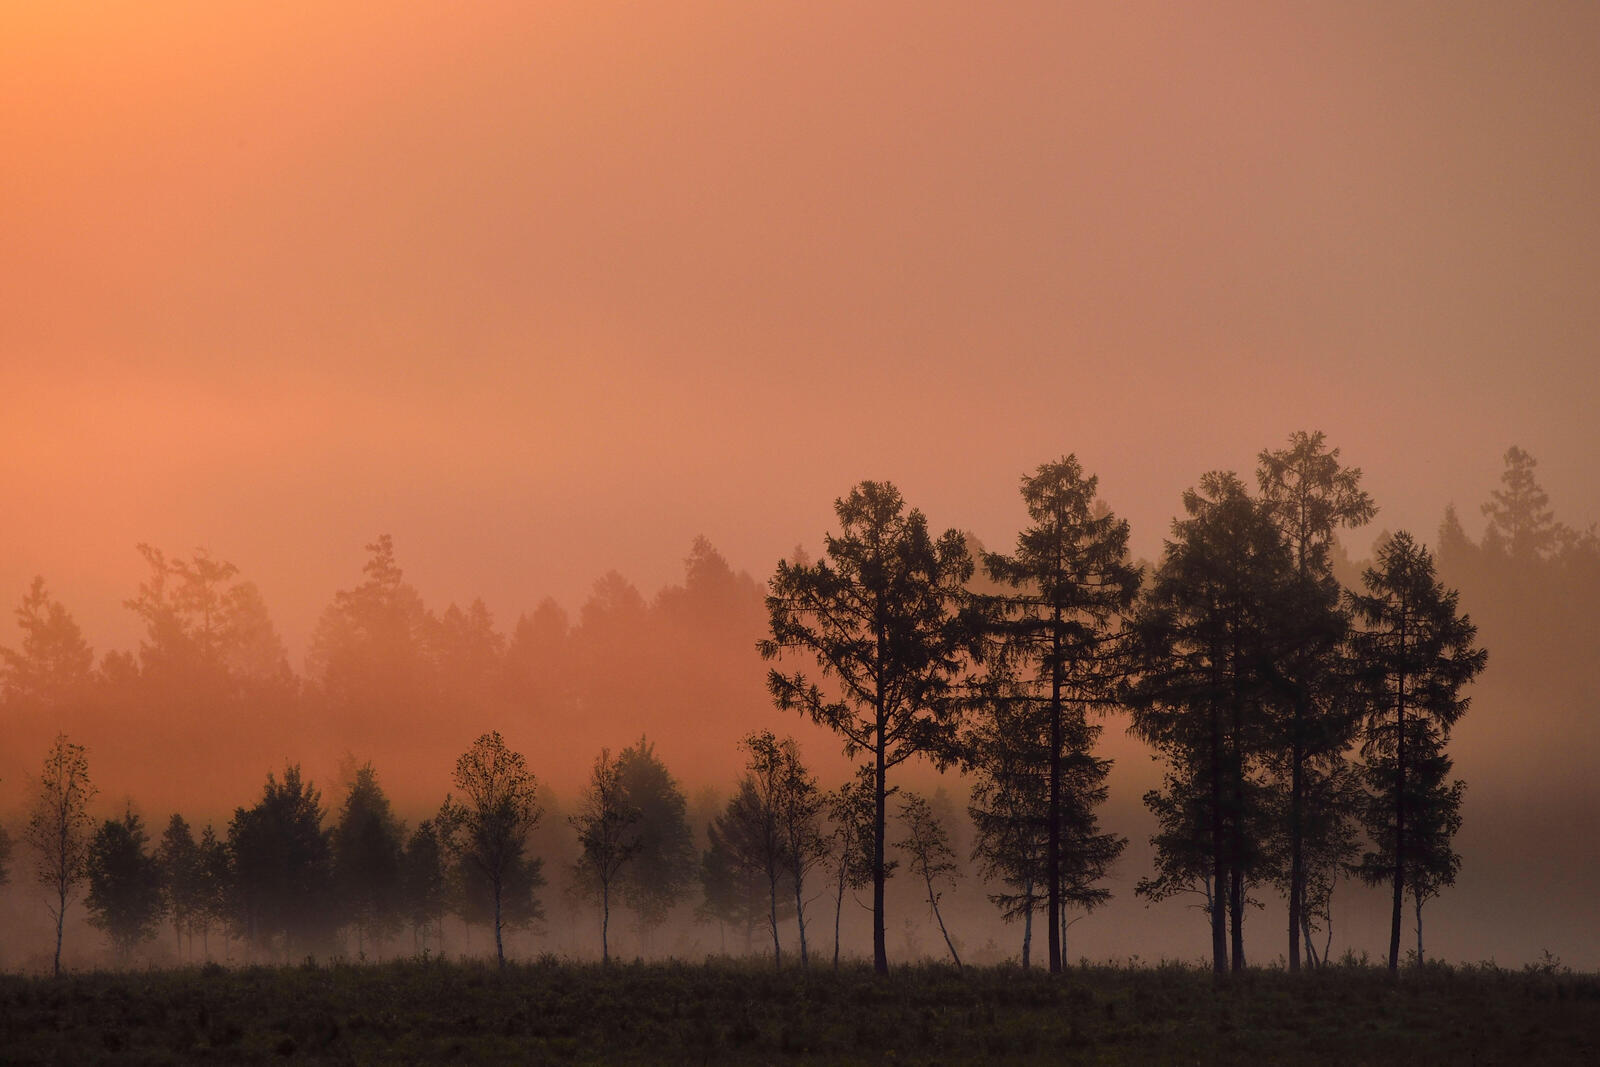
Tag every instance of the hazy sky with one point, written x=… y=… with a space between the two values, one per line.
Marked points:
x=547 y=289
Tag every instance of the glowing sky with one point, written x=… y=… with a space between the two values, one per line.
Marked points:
x=546 y=289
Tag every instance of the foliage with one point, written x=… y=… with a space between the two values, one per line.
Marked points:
x=1206 y=631
x=125 y=898
x=662 y=860
x=282 y=867
x=1418 y=653
x=607 y=841
x=927 y=847
x=490 y=828
x=53 y=664
x=880 y=618
x=368 y=844
x=1056 y=636
x=58 y=828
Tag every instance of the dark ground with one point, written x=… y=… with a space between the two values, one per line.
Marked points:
x=738 y=1012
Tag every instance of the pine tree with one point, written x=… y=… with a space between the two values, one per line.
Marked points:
x=1417 y=653
x=1056 y=634
x=1206 y=631
x=881 y=619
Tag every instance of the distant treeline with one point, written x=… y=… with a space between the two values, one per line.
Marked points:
x=1303 y=707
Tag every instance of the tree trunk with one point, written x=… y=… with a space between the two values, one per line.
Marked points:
x=1236 y=908
x=838 y=907
x=499 y=943
x=1296 y=859
x=605 y=924
x=61 y=918
x=1418 y=900
x=1053 y=835
x=1399 y=817
x=1219 y=868
x=933 y=901
x=800 y=918
x=772 y=920
x=880 y=952
x=1027 y=925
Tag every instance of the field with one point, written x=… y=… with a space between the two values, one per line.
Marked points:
x=737 y=1012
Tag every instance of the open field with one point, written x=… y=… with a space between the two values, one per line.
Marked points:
x=721 y=1011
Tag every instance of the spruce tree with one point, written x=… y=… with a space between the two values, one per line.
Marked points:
x=1417 y=653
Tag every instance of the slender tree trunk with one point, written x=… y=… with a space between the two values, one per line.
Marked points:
x=499 y=943
x=800 y=914
x=1219 y=868
x=1399 y=817
x=1027 y=924
x=61 y=919
x=933 y=902
x=1296 y=860
x=838 y=907
x=880 y=952
x=1236 y=908
x=1053 y=835
x=1418 y=901
x=772 y=919
x=605 y=924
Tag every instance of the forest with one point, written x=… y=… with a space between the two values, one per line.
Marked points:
x=1300 y=706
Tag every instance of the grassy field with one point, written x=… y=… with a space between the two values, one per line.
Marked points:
x=736 y=1012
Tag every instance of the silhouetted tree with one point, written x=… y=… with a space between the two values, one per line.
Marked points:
x=1010 y=810
x=1308 y=495
x=607 y=840
x=422 y=882
x=124 y=884
x=1521 y=523
x=853 y=811
x=1206 y=631
x=54 y=665
x=662 y=862
x=216 y=888
x=370 y=652
x=927 y=849
x=368 y=843
x=59 y=828
x=881 y=618
x=747 y=846
x=282 y=866
x=1418 y=655
x=490 y=827
x=1056 y=631
x=178 y=859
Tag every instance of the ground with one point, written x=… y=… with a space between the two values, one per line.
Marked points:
x=739 y=1012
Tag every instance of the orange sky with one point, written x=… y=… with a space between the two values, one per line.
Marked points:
x=546 y=289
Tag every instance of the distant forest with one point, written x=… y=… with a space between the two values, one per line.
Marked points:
x=1302 y=705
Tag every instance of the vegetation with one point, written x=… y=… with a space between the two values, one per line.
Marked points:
x=730 y=1012
x=1304 y=725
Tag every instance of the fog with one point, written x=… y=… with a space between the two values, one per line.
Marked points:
x=548 y=294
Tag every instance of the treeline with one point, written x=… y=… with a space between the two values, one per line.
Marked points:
x=1303 y=721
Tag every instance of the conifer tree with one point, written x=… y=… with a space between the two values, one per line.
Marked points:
x=1056 y=634
x=1205 y=632
x=124 y=884
x=1309 y=496
x=1417 y=652
x=880 y=616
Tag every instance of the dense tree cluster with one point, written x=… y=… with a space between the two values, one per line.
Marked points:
x=1303 y=720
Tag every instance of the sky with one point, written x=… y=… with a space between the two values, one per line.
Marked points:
x=545 y=290
x=542 y=288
